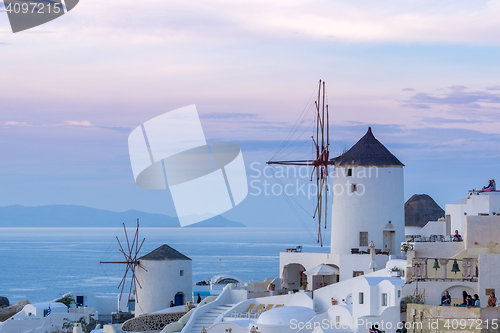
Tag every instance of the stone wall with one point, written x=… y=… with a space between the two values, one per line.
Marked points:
x=152 y=322
x=449 y=319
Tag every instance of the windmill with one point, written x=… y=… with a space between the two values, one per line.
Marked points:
x=130 y=255
x=322 y=159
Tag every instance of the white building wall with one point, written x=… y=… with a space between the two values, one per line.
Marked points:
x=379 y=199
x=482 y=232
x=476 y=204
x=161 y=283
x=412 y=231
x=489 y=273
x=347 y=264
x=433 y=228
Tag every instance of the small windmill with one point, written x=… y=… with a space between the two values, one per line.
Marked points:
x=131 y=260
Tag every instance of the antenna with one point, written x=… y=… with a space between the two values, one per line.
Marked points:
x=131 y=260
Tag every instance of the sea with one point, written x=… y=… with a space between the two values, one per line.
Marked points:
x=40 y=264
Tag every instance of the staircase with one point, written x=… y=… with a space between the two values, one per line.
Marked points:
x=207 y=319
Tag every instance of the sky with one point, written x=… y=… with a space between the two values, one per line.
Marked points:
x=423 y=74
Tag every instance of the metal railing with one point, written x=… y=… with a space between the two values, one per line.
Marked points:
x=443 y=269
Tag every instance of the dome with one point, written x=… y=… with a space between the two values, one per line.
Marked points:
x=420 y=209
x=368 y=151
x=283 y=316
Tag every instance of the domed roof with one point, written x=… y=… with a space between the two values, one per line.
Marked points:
x=420 y=209
x=368 y=151
x=283 y=315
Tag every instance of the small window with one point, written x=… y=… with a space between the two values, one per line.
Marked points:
x=349 y=172
x=363 y=238
x=384 y=299
x=361 y=298
x=182 y=272
x=337 y=319
x=357 y=273
x=354 y=187
x=399 y=293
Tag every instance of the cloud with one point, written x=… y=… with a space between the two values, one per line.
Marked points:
x=493 y=88
x=16 y=123
x=407 y=89
x=349 y=21
x=458 y=87
x=84 y=123
x=223 y=116
x=440 y=120
x=456 y=96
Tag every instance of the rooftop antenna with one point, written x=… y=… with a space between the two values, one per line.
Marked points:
x=131 y=260
x=321 y=162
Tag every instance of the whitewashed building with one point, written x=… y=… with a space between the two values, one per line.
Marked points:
x=368 y=205
x=167 y=276
x=471 y=265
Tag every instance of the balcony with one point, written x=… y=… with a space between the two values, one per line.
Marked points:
x=443 y=269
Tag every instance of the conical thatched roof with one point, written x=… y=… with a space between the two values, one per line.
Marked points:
x=420 y=209
x=368 y=151
x=164 y=252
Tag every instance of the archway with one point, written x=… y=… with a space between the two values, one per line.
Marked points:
x=179 y=299
x=293 y=275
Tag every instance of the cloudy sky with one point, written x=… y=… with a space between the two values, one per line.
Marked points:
x=424 y=74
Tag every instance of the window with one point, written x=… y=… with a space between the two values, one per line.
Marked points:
x=182 y=272
x=357 y=273
x=361 y=298
x=384 y=299
x=354 y=187
x=399 y=293
x=363 y=238
x=337 y=319
x=349 y=172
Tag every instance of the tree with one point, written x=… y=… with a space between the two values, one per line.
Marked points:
x=67 y=300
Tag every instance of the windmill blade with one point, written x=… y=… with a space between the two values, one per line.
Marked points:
x=140 y=247
x=126 y=237
x=139 y=265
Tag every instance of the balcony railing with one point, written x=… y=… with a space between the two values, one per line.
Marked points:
x=443 y=269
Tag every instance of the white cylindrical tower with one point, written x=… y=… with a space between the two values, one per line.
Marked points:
x=368 y=199
x=168 y=278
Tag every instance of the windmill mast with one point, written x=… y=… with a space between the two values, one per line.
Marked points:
x=321 y=162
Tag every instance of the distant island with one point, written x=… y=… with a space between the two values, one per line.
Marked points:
x=64 y=216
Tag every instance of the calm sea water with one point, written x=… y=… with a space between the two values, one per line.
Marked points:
x=39 y=264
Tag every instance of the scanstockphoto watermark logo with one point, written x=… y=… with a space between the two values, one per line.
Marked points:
x=359 y=325
x=291 y=180
x=26 y=14
x=205 y=179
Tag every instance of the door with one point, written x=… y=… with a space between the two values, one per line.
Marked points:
x=179 y=299
x=388 y=241
x=79 y=301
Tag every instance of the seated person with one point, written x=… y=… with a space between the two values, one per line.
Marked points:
x=464 y=298
x=457 y=237
x=491 y=187
x=446 y=299
x=469 y=302
x=492 y=300
x=477 y=303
